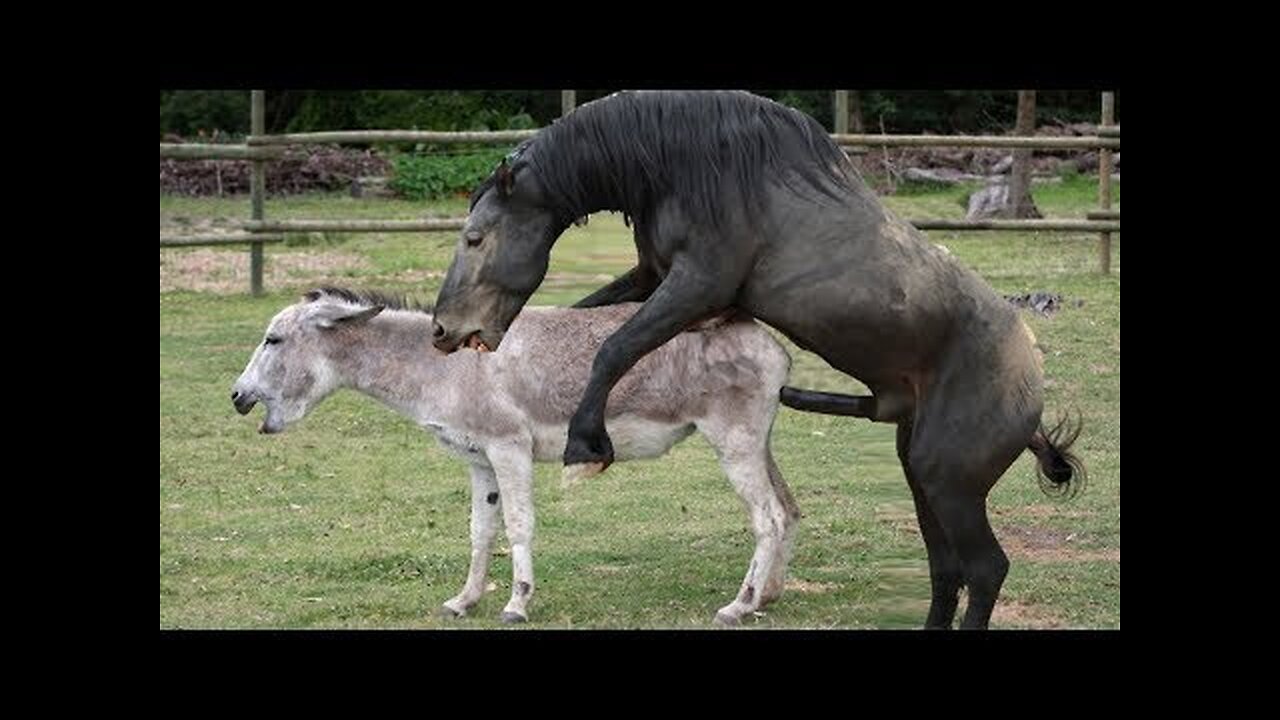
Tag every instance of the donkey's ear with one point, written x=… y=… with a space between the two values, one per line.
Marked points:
x=504 y=177
x=337 y=316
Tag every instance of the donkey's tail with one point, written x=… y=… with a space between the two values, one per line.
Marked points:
x=1059 y=471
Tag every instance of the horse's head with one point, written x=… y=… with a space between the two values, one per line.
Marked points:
x=290 y=370
x=500 y=260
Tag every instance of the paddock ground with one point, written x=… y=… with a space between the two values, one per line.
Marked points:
x=354 y=518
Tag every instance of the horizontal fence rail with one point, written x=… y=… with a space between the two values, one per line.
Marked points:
x=219 y=239
x=1034 y=142
x=1109 y=140
x=424 y=225
x=1099 y=224
x=1024 y=225
x=413 y=136
x=197 y=151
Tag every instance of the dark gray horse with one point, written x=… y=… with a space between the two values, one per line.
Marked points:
x=739 y=202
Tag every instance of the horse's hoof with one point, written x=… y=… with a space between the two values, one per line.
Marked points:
x=511 y=618
x=449 y=613
x=726 y=620
x=576 y=473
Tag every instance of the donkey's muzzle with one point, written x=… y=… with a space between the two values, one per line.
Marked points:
x=244 y=402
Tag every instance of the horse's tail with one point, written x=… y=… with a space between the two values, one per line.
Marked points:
x=1059 y=471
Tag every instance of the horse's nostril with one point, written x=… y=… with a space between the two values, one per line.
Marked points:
x=437 y=331
x=235 y=395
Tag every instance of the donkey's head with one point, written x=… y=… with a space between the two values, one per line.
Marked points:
x=291 y=370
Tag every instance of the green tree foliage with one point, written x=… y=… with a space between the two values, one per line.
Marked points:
x=437 y=176
x=186 y=112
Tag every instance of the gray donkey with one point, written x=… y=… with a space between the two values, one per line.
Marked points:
x=503 y=410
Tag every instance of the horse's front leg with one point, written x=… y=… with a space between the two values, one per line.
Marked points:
x=634 y=286
x=688 y=293
x=485 y=505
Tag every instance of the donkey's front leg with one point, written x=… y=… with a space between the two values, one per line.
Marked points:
x=513 y=465
x=687 y=294
x=485 y=501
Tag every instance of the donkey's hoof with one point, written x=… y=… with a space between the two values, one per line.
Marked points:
x=512 y=618
x=576 y=473
x=726 y=620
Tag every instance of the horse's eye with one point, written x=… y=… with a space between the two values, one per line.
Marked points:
x=473 y=238
x=272 y=340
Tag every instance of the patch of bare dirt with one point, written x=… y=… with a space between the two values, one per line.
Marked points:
x=1047 y=545
x=1032 y=542
x=1014 y=614
x=1038 y=510
x=224 y=272
x=901 y=518
x=804 y=586
x=416 y=276
x=573 y=279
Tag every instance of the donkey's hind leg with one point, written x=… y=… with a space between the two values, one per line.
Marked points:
x=743 y=451
x=776 y=581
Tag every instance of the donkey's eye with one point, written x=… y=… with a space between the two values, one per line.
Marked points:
x=272 y=340
x=473 y=238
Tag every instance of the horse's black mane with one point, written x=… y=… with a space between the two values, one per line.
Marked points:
x=369 y=298
x=626 y=151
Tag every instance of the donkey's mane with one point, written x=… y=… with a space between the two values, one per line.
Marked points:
x=631 y=149
x=369 y=298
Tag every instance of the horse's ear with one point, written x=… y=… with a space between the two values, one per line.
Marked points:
x=337 y=316
x=504 y=176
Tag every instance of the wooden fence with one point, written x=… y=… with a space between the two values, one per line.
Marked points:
x=261 y=148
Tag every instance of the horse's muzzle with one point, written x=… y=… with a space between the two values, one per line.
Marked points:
x=443 y=340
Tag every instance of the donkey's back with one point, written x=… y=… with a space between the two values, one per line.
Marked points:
x=723 y=371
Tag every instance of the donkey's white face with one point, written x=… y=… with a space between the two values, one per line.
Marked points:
x=290 y=371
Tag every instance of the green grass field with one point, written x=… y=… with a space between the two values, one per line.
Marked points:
x=355 y=518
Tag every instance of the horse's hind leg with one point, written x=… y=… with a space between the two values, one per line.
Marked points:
x=946 y=574
x=957 y=453
x=964 y=519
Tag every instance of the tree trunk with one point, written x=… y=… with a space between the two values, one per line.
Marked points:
x=1020 y=204
x=856 y=125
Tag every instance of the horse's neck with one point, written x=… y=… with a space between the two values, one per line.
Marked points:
x=394 y=362
x=599 y=191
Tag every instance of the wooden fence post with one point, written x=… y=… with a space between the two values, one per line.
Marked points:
x=568 y=101
x=1104 y=182
x=257 y=189
x=842 y=112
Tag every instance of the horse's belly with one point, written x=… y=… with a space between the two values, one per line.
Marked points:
x=633 y=438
